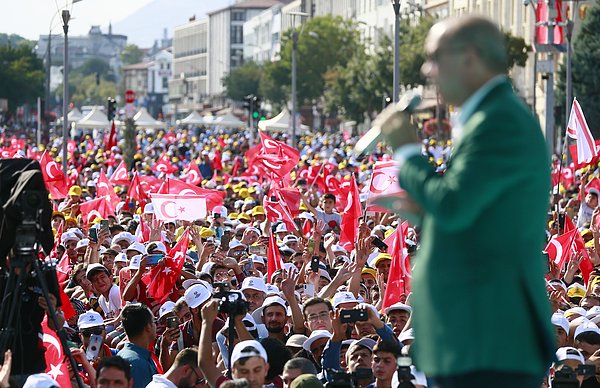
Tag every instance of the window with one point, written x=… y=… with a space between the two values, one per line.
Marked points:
x=238 y=16
x=165 y=83
x=237 y=35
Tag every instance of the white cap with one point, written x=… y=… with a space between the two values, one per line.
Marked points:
x=281 y=228
x=248 y=322
x=68 y=236
x=324 y=274
x=343 y=297
x=135 y=262
x=241 y=350
x=406 y=335
x=272 y=289
x=252 y=229
x=559 y=320
x=196 y=295
x=306 y=215
x=366 y=342
x=592 y=312
x=166 y=308
x=569 y=353
x=123 y=236
x=95 y=267
x=270 y=301
x=149 y=208
x=398 y=306
x=83 y=243
x=576 y=310
x=235 y=243
x=187 y=283
x=290 y=238
x=137 y=246
x=90 y=319
x=586 y=327
x=159 y=246
x=121 y=258
x=315 y=335
x=258 y=259
x=40 y=380
x=254 y=283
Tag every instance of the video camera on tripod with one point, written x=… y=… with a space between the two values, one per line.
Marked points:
x=230 y=302
x=339 y=379
x=566 y=377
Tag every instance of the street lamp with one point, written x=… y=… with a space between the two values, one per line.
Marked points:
x=66 y=16
x=294 y=49
x=396 y=5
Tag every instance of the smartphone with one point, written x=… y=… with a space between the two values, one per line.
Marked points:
x=154 y=258
x=311 y=246
x=379 y=244
x=94 y=347
x=546 y=261
x=93 y=234
x=309 y=289
x=350 y=316
x=104 y=225
x=225 y=239
x=172 y=322
x=258 y=250
x=314 y=264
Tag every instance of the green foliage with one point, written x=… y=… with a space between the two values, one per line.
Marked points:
x=243 y=80
x=131 y=54
x=95 y=66
x=517 y=50
x=412 y=51
x=323 y=44
x=84 y=91
x=14 y=40
x=21 y=75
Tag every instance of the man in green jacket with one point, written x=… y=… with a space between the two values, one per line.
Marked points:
x=480 y=312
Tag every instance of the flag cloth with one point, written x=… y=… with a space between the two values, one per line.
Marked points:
x=193 y=174
x=352 y=213
x=398 y=283
x=136 y=191
x=105 y=189
x=578 y=129
x=57 y=365
x=160 y=281
x=383 y=185
x=54 y=252
x=120 y=176
x=274 y=261
x=98 y=207
x=541 y=22
x=560 y=247
x=276 y=157
x=213 y=197
x=111 y=140
x=63 y=269
x=163 y=164
x=172 y=207
x=53 y=177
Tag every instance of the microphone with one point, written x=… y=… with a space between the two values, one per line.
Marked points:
x=408 y=103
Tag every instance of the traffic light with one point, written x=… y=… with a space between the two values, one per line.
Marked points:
x=256 y=113
x=111 y=108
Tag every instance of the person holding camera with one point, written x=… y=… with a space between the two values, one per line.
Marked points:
x=92 y=329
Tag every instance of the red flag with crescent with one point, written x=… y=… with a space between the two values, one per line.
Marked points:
x=274 y=261
x=57 y=237
x=350 y=217
x=559 y=248
x=193 y=174
x=160 y=281
x=105 y=189
x=136 y=191
x=96 y=208
x=398 y=285
x=213 y=197
x=63 y=269
x=57 y=364
x=53 y=177
x=150 y=183
x=276 y=157
x=111 y=139
x=164 y=165
x=120 y=176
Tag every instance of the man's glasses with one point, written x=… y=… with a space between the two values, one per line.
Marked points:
x=318 y=317
x=88 y=333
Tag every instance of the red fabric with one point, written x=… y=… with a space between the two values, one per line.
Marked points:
x=111 y=139
x=161 y=279
x=57 y=237
x=567 y=174
x=136 y=191
x=66 y=308
x=306 y=228
x=276 y=211
x=150 y=183
x=193 y=174
x=53 y=177
x=399 y=277
x=560 y=247
x=274 y=261
x=213 y=197
x=276 y=157
x=216 y=163
x=350 y=217
x=163 y=164
x=63 y=269
x=105 y=189
x=541 y=17
x=142 y=232
x=120 y=176
x=56 y=361
x=98 y=207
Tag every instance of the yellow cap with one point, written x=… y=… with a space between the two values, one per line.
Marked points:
x=576 y=292
x=303 y=206
x=232 y=216
x=206 y=233
x=243 y=216
x=244 y=193
x=369 y=271
x=75 y=190
x=258 y=210
x=381 y=257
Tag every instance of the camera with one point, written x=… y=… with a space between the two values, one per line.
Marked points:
x=405 y=377
x=29 y=204
x=351 y=316
x=566 y=377
x=230 y=302
x=347 y=380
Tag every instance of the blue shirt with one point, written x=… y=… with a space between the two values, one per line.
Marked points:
x=142 y=365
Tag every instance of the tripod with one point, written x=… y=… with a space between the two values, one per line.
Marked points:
x=25 y=269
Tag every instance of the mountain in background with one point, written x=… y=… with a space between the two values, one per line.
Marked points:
x=148 y=23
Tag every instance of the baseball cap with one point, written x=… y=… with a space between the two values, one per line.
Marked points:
x=247 y=320
x=592 y=312
x=343 y=297
x=75 y=190
x=281 y=228
x=269 y=301
x=149 y=208
x=90 y=319
x=290 y=238
x=559 y=320
x=406 y=335
x=93 y=268
x=40 y=380
x=398 y=306
x=235 y=243
x=593 y=190
x=166 y=308
x=586 y=326
x=254 y=283
x=252 y=229
x=381 y=257
x=83 y=243
x=569 y=353
x=248 y=348
x=575 y=311
x=134 y=263
x=123 y=236
x=272 y=289
x=137 y=246
x=364 y=342
x=296 y=340
x=156 y=246
x=196 y=295
x=69 y=236
x=121 y=258
x=315 y=335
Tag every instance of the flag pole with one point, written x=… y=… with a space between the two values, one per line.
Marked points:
x=317 y=177
x=368 y=195
x=563 y=157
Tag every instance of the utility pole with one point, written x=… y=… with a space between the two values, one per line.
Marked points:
x=396 y=90
x=65 y=17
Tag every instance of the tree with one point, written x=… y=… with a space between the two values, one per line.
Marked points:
x=243 y=80
x=13 y=40
x=131 y=54
x=83 y=90
x=323 y=43
x=585 y=71
x=21 y=75
x=517 y=50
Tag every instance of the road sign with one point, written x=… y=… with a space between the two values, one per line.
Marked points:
x=129 y=96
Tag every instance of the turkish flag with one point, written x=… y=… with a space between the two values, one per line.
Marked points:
x=586 y=267
x=57 y=237
x=120 y=176
x=383 y=183
x=217 y=164
x=276 y=211
x=559 y=248
x=150 y=183
x=57 y=364
x=567 y=173
x=53 y=177
x=63 y=269
x=306 y=228
x=136 y=191
x=276 y=157
x=142 y=233
x=193 y=174
x=160 y=281
x=105 y=189
x=274 y=261
x=172 y=207
x=111 y=139
x=164 y=165
x=398 y=283
x=237 y=164
x=352 y=213
x=290 y=197
x=99 y=207
x=213 y=197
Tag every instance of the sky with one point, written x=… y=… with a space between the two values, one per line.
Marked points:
x=31 y=18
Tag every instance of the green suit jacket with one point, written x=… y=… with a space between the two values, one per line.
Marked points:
x=479 y=296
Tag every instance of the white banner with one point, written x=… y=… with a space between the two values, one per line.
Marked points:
x=172 y=207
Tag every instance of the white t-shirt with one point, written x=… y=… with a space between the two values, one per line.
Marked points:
x=111 y=307
x=160 y=381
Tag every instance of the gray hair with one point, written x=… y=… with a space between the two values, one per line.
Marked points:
x=304 y=364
